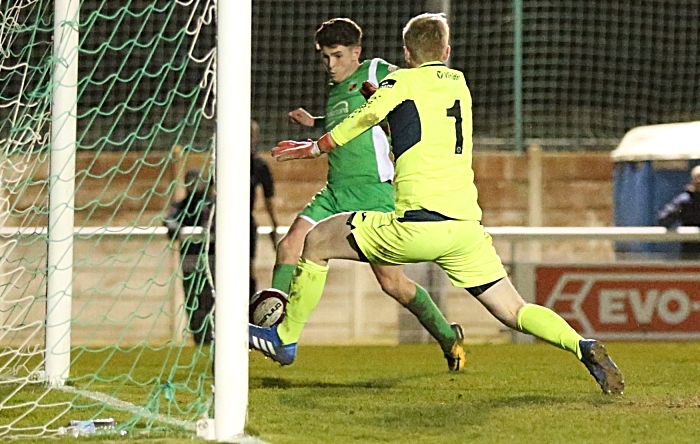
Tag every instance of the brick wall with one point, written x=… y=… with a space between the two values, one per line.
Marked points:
x=576 y=188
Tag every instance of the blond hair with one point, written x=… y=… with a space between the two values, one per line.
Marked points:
x=426 y=36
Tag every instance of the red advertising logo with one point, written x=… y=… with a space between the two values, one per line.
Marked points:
x=624 y=302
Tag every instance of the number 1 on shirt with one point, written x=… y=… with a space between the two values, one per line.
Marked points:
x=456 y=111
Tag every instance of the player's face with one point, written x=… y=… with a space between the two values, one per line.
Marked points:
x=341 y=61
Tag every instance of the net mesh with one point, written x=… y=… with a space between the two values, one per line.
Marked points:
x=144 y=116
x=591 y=70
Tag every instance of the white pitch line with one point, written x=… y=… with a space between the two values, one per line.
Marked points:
x=123 y=405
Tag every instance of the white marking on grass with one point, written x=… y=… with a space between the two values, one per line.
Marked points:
x=123 y=405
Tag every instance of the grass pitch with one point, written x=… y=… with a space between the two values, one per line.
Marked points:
x=512 y=393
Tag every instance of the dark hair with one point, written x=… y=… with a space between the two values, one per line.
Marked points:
x=338 y=31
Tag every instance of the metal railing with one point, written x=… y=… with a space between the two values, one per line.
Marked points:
x=510 y=234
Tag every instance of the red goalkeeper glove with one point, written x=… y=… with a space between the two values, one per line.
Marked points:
x=367 y=89
x=309 y=149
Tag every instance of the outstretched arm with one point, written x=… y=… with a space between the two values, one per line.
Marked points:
x=302 y=117
x=381 y=102
x=309 y=149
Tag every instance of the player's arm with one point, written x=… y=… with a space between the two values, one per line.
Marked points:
x=390 y=93
x=670 y=215
x=388 y=96
x=303 y=117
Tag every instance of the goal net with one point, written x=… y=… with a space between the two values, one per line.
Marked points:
x=144 y=115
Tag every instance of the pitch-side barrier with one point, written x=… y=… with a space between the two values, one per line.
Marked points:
x=642 y=297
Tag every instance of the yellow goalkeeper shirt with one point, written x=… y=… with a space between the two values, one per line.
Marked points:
x=429 y=110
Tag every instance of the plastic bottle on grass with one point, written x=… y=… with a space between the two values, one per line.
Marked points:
x=90 y=427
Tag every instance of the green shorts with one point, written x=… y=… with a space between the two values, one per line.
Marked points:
x=462 y=248
x=331 y=201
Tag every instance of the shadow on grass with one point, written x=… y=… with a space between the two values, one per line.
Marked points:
x=467 y=412
x=282 y=383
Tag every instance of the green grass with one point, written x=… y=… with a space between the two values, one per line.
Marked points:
x=526 y=393
x=508 y=394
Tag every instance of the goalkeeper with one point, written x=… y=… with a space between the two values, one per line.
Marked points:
x=359 y=178
x=437 y=217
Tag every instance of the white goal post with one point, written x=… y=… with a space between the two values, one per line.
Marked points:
x=94 y=323
x=233 y=185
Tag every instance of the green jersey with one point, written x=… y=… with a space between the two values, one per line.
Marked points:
x=364 y=160
x=429 y=110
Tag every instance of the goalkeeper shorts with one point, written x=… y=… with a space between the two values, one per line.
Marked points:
x=460 y=247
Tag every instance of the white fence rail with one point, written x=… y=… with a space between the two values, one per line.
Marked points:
x=510 y=234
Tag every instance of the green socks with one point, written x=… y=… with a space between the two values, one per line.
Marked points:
x=431 y=318
x=306 y=290
x=282 y=277
x=545 y=324
x=304 y=294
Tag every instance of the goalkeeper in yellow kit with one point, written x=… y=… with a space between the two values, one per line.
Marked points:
x=437 y=217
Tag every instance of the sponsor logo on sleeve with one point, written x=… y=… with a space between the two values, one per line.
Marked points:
x=387 y=83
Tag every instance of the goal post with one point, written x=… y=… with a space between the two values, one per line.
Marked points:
x=59 y=288
x=233 y=180
x=93 y=96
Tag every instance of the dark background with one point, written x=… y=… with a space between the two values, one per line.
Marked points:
x=592 y=69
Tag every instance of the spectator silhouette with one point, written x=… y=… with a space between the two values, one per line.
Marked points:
x=684 y=210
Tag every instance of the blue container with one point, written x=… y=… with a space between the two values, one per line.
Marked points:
x=651 y=166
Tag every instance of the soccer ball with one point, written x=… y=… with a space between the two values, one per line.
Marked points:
x=267 y=307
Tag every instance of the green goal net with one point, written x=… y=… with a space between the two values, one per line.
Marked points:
x=144 y=116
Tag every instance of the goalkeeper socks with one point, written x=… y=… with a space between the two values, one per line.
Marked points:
x=545 y=324
x=305 y=292
x=282 y=277
x=429 y=315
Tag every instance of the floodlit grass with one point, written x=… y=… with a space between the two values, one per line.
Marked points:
x=531 y=393
x=526 y=393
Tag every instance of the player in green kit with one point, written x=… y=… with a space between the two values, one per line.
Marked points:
x=359 y=178
x=437 y=217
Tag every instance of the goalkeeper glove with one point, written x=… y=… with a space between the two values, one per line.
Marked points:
x=309 y=149
x=367 y=89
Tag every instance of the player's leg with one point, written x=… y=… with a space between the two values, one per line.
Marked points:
x=190 y=282
x=503 y=301
x=478 y=268
x=417 y=300
x=290 y=246
x=329 y=239
x=506 y=304
x=206 y=300
x=288 y=253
